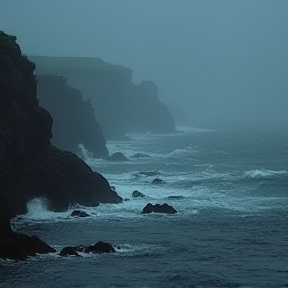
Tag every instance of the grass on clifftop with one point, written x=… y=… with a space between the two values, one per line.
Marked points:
x=52 y=63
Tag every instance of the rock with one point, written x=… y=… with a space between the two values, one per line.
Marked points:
x=140 y=155
x=77 y=124
x=101 y=247
x=175 y=197
x=120 y=105
x=19 y=246
x=117 y=156
x=29 y=165
x=79 y=213
x=157 y=208
x=68 y=251
x=158 y=181
x=148 y=173
x=136 y=194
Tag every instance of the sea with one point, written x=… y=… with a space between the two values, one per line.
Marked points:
x=230 y=190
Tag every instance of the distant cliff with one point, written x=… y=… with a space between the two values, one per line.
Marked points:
x=74 y=120
x=29 y=165
x=120 y=106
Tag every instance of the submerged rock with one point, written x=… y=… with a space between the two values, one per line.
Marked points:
x=158 y=181
x=158 y=208
x=175 y=197
x=137 y=194
x=79 y=213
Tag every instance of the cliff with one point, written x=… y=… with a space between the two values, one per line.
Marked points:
x=30 y=165
x=77 y=124
x=119 y=105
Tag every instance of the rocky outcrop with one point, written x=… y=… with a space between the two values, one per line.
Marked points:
x=98 y=248
x=137 y=194
x=120 y=106
x=19 y=246
x=79 y=213
x=158 y=208
x=158 y=181
x=77 y=124
x=117 y=156
x=29 y=165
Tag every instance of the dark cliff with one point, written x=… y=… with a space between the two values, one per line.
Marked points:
x=74 y=120
x=29 y=165
x=120 y=106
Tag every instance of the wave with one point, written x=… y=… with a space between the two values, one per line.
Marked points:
x=263 y=173
x=189 y=129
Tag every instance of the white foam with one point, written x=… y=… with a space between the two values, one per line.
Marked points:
x=263 y=173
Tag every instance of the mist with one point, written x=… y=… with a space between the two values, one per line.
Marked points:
x=218 y=64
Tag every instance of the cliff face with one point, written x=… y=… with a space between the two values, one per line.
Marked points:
x=77 y=123
x=120 y=106
x=29 y=165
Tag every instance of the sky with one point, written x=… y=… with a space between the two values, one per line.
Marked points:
x=217 y=63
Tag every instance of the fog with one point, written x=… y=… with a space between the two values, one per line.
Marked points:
x=216 y=63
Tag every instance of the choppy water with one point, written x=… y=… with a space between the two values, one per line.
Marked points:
x=231 y=229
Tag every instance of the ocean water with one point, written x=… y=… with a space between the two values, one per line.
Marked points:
x=231 y=229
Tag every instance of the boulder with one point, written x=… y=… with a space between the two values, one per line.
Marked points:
x=158 y=181
x=98 y=248
x=68 y=251
x=137 y=194
x=117 y=156
x=158 y=208
x=79 y=213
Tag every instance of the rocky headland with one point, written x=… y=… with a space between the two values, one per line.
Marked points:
x=74 y=119
x=120 y=106
x=30 y=166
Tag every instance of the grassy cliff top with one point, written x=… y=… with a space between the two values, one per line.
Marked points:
x=52 y=63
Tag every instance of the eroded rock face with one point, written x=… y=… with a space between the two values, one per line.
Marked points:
x=158 y=208
x=29 y=165
x=77 y=125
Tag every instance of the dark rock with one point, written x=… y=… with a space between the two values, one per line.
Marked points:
x=77 y=124
x=113 y=188
x=79 y=213
x=175 y=197
x=158 y=181
x=18 y=246
x=158 y=208
x=29 y=165
x=68 y=251
x=140 y=155
x=149 y=173
x=136 y=194
x=117 y=156
x=101 y=247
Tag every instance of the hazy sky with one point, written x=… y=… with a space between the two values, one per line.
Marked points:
x=216 y=63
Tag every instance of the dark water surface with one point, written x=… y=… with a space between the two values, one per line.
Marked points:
x=231 y=229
